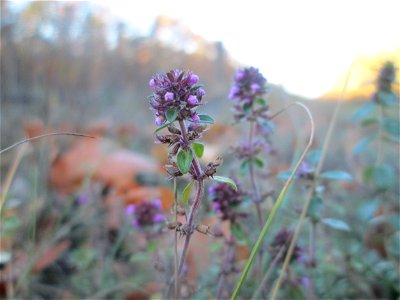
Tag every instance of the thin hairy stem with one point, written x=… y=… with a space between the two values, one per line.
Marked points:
x=194 y=208
x=312 y=188
x=268 y=274
x=227 y=262
x=176 y=263
x=256 y=191
x=313 y=245
x=44 y=136
x=379 y=156
x=276 y=206
x=192 y=214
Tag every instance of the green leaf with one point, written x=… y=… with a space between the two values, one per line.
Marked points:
x=184 y=160
x=392 y=127
x=261 y=102
x=244 y=167
x=259 y=162
x=313 y=156
x=198 y=149
x=83 y=257
x=285 y=175
x=152 y=246
x=206 y=119
x=171 y=114
x=336 y=175
x=215 y=247
x=382 y=176
x=387 y=98
x=336 y=224
x=186 y=192
x=246 y=107
x=237 y=231
x=369 y=121
x=315 y=209
x=226 y=180
x=392 y=244
x=362 y=145
x=364 y=111
x=162 y=127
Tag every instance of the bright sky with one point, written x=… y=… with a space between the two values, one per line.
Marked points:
x=302 y=45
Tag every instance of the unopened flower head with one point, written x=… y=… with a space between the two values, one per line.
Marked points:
x=386 y=77
x=249 y=84
x=283 y=239
x=225 y=199
x=145 y=214
x=176 y=91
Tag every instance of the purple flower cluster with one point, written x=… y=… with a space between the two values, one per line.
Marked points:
x=249 y=84
x=176 y=90
x=282 y=239
x=246 y=151
x=145 y=214
x=225 y=199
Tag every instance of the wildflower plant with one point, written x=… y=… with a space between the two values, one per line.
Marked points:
x=382 y=113
x=176 y=97
x=145 y=214
x=247 y=93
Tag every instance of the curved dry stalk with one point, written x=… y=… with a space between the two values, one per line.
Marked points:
x=313 y=186
x=278 y=202
x=10 y=176
x=43 y=136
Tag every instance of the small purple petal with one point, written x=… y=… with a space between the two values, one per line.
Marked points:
x=192 y=100
x=160 y=120
x=169 y=96
x=135 y=224
x=130 y=209
x=239 y=74
x=255 y=87
x=158 y=218
x=83 y=199
x=157 y=203
x=196 y=118
x=234 y=91
x=201 y=92
x=152 y=83
x=305 y=281
x=193 y=79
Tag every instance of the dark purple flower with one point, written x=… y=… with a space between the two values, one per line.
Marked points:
x=225 y=199
x=249 y=84
x=283 y=239
x=145 y=214
x=175 y=90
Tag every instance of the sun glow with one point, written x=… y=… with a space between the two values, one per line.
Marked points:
x=302 y=45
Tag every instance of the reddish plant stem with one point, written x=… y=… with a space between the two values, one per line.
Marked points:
x=194 y=208
x=226 y=267
x=256 y=192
